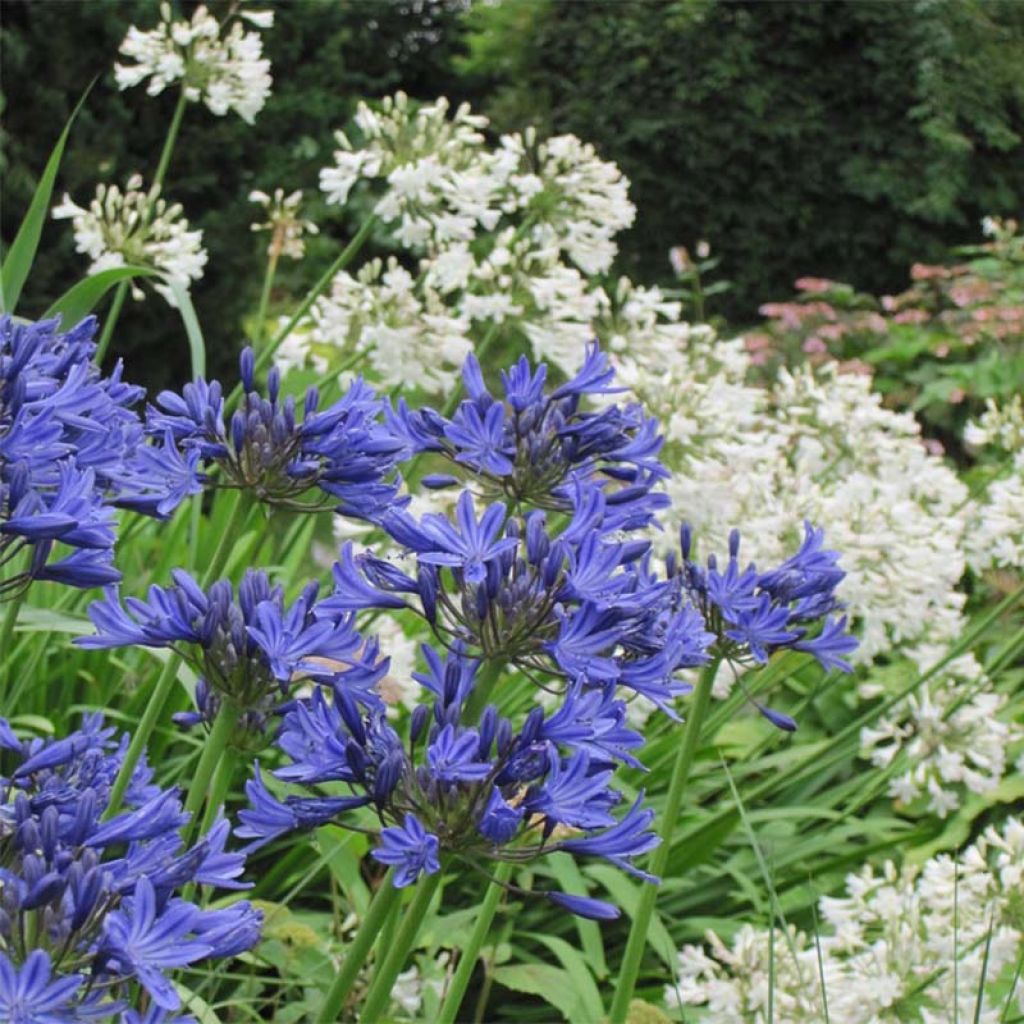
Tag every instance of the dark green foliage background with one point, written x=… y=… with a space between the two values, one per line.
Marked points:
x=845 y=139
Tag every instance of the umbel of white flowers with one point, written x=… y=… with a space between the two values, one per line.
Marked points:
x=136 y=227
x=221 y=65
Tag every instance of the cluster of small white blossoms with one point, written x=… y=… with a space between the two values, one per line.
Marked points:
x=444 y=182
x=950 y=737
x=136 y=227
x=287 y=229
x=900 y=945
x=815 y=446
x=225 y=71
x=506 y=237
x=995 y=539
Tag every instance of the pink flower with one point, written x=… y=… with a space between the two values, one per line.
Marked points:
x=911 y=316
x=814 y=345
x=814 y=284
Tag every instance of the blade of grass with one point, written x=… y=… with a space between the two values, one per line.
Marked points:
x=22 y=252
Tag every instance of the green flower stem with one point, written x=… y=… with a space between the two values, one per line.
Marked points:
x=121 y=292
x=216 y=744
x=164 y=684
x=222 y=779
x=385 y=900
x=468 y=956
x=659 y=859
x=172 y=138
x=261 y=315
x=152 y=714
x=343 y=259
x=10 y=617
x=394 y=960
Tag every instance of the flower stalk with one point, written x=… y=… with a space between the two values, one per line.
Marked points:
x=659 y=859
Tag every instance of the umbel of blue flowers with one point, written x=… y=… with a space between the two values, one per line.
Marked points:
x=71 y=446
x=752 y=614
x=576 y=604
x=534 y=444
x=487 y=791
x=267 y=450
x=89 y=919
x=247 y=647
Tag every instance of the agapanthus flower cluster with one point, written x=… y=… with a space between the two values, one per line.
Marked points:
x=246 y=647
x=950 y=738
x=138 y=228
x=536 y=445
x=89 y=916
x=753 y=614
x=817 y=446
x=477 y=792
x=71 y=446
x=408 y=336
x=265 y=450
x=287 y=229
x=225 y=69
x=901 y=944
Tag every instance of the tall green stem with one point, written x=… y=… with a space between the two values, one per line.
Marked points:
x=154 y=710
x=343 y=259
x=172 y=138
x=215 y=746
x=384 y=899
x=162 y=690
x=468 y=956
x=121 y=292
x=384 y=977
x=659 y=859
x=261 y=315
x=10 y=617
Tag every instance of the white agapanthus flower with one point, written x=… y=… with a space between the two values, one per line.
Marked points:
x=442 y=183
x=287 y=229
x=136 y=227
x=995 y=537
x=900 y=945
x=221 y=66
x=951 y=737
x=410 y=337
x=817 y=446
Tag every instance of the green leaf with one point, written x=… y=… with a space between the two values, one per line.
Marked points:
x=579 y=970
x=197 y=347
x=81 y=299
x=343 y=852
x=22 y=252
x=571 y=880
x=49 y=620
x=552 y=984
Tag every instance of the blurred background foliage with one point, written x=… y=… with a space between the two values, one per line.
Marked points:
x=846 y=139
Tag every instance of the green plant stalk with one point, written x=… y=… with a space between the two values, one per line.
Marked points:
x=468 y=958
x=261 y=314
x=659 y=859
x=164 y=684
x=343 y=259
x=7 y=624
x=394 y=960
x=158 y=179
x=154 y=710
x=222 y=780
x=215 y=746
x=385 y=899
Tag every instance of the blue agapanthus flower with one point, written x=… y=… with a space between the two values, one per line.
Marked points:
x=475 y=792
x=72 y=446
x=87 y=906
x=278 y=456
x=246 y=646
x=753 y=614
x=579 y=603
x=532 y=445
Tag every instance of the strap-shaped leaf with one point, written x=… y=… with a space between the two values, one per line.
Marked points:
x=22 y=253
